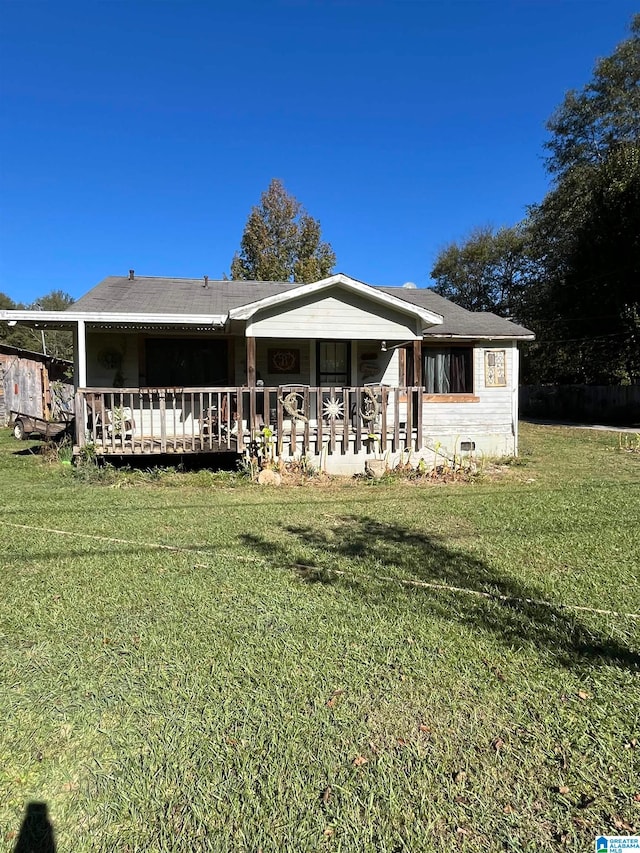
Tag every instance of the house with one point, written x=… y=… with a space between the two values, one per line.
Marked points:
x=34 y=384
x=337 y=370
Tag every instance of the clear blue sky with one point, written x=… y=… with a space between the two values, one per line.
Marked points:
x=140 y=134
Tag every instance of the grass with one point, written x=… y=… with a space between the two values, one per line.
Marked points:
x=238 y=694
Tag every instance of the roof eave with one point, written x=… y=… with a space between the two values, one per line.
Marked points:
x=70 y=318
x=477 y=337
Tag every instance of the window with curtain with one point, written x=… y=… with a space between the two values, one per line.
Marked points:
x=448 y=370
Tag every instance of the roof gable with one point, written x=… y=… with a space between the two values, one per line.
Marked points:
x=375 y=295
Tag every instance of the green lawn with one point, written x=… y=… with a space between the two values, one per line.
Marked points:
x=236 y=693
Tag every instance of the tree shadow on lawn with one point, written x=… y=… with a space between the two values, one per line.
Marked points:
x=420 y=557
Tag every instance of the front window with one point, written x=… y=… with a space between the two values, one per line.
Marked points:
x=448 y=370
x=175 y=362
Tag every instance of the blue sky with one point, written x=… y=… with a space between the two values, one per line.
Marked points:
x=140 y=134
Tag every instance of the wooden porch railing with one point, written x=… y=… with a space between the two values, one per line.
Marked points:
x=302 y=419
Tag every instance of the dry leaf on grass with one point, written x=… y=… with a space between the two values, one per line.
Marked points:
x=620 y=823
x=359 y=760
x=582 y=694
x=459 y=776
x=335 y=696
x=497 y=743
x=494 y=670
x=563 y=789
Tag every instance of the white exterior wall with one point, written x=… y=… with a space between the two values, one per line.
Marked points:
x=123 y=343
x=368 y=363
x=337 y=315
x=489 y=422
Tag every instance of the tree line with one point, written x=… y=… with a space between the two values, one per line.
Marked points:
x=55 y=343
x=571 y=270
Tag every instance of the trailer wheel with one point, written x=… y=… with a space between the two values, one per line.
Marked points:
x=18 y=431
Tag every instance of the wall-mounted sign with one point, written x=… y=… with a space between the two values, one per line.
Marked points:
x=284 y=360
x=495 y=368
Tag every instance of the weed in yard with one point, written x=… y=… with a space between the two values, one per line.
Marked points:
x=629 y=443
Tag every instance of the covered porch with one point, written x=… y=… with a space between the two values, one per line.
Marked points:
x=285 y=420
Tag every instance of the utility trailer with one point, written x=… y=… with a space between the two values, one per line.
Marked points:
x=24 y=426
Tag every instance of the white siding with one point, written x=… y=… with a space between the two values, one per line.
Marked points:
x=370 y=365
x=488 y=422
x=337 y=315
x=122 y=344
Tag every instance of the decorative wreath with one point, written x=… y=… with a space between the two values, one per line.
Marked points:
x=110 y=358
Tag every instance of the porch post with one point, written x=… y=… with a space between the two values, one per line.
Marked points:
x=81 y=355
x=251 y=362
x=402 y=367
x=417 y=363
x=515 y=387
x=80 y=408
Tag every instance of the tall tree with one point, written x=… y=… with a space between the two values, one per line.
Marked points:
x=484 y=272
x=585 y=300
x=603 y=115
x=281 y=242
x=571 y=271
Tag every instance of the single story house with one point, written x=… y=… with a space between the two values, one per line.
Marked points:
x=336 y=370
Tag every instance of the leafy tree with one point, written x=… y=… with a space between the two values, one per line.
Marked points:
x=585 y=300
x=281 y=242
x=486 y=271
x=57 y=343
x=605 y=114
x=15 y=336
x=571 y=271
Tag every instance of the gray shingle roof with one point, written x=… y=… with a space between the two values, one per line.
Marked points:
x=457 y=320
x=153 y=295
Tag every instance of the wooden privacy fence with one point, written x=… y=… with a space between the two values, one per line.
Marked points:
x=302 y=419
x=612 y=404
